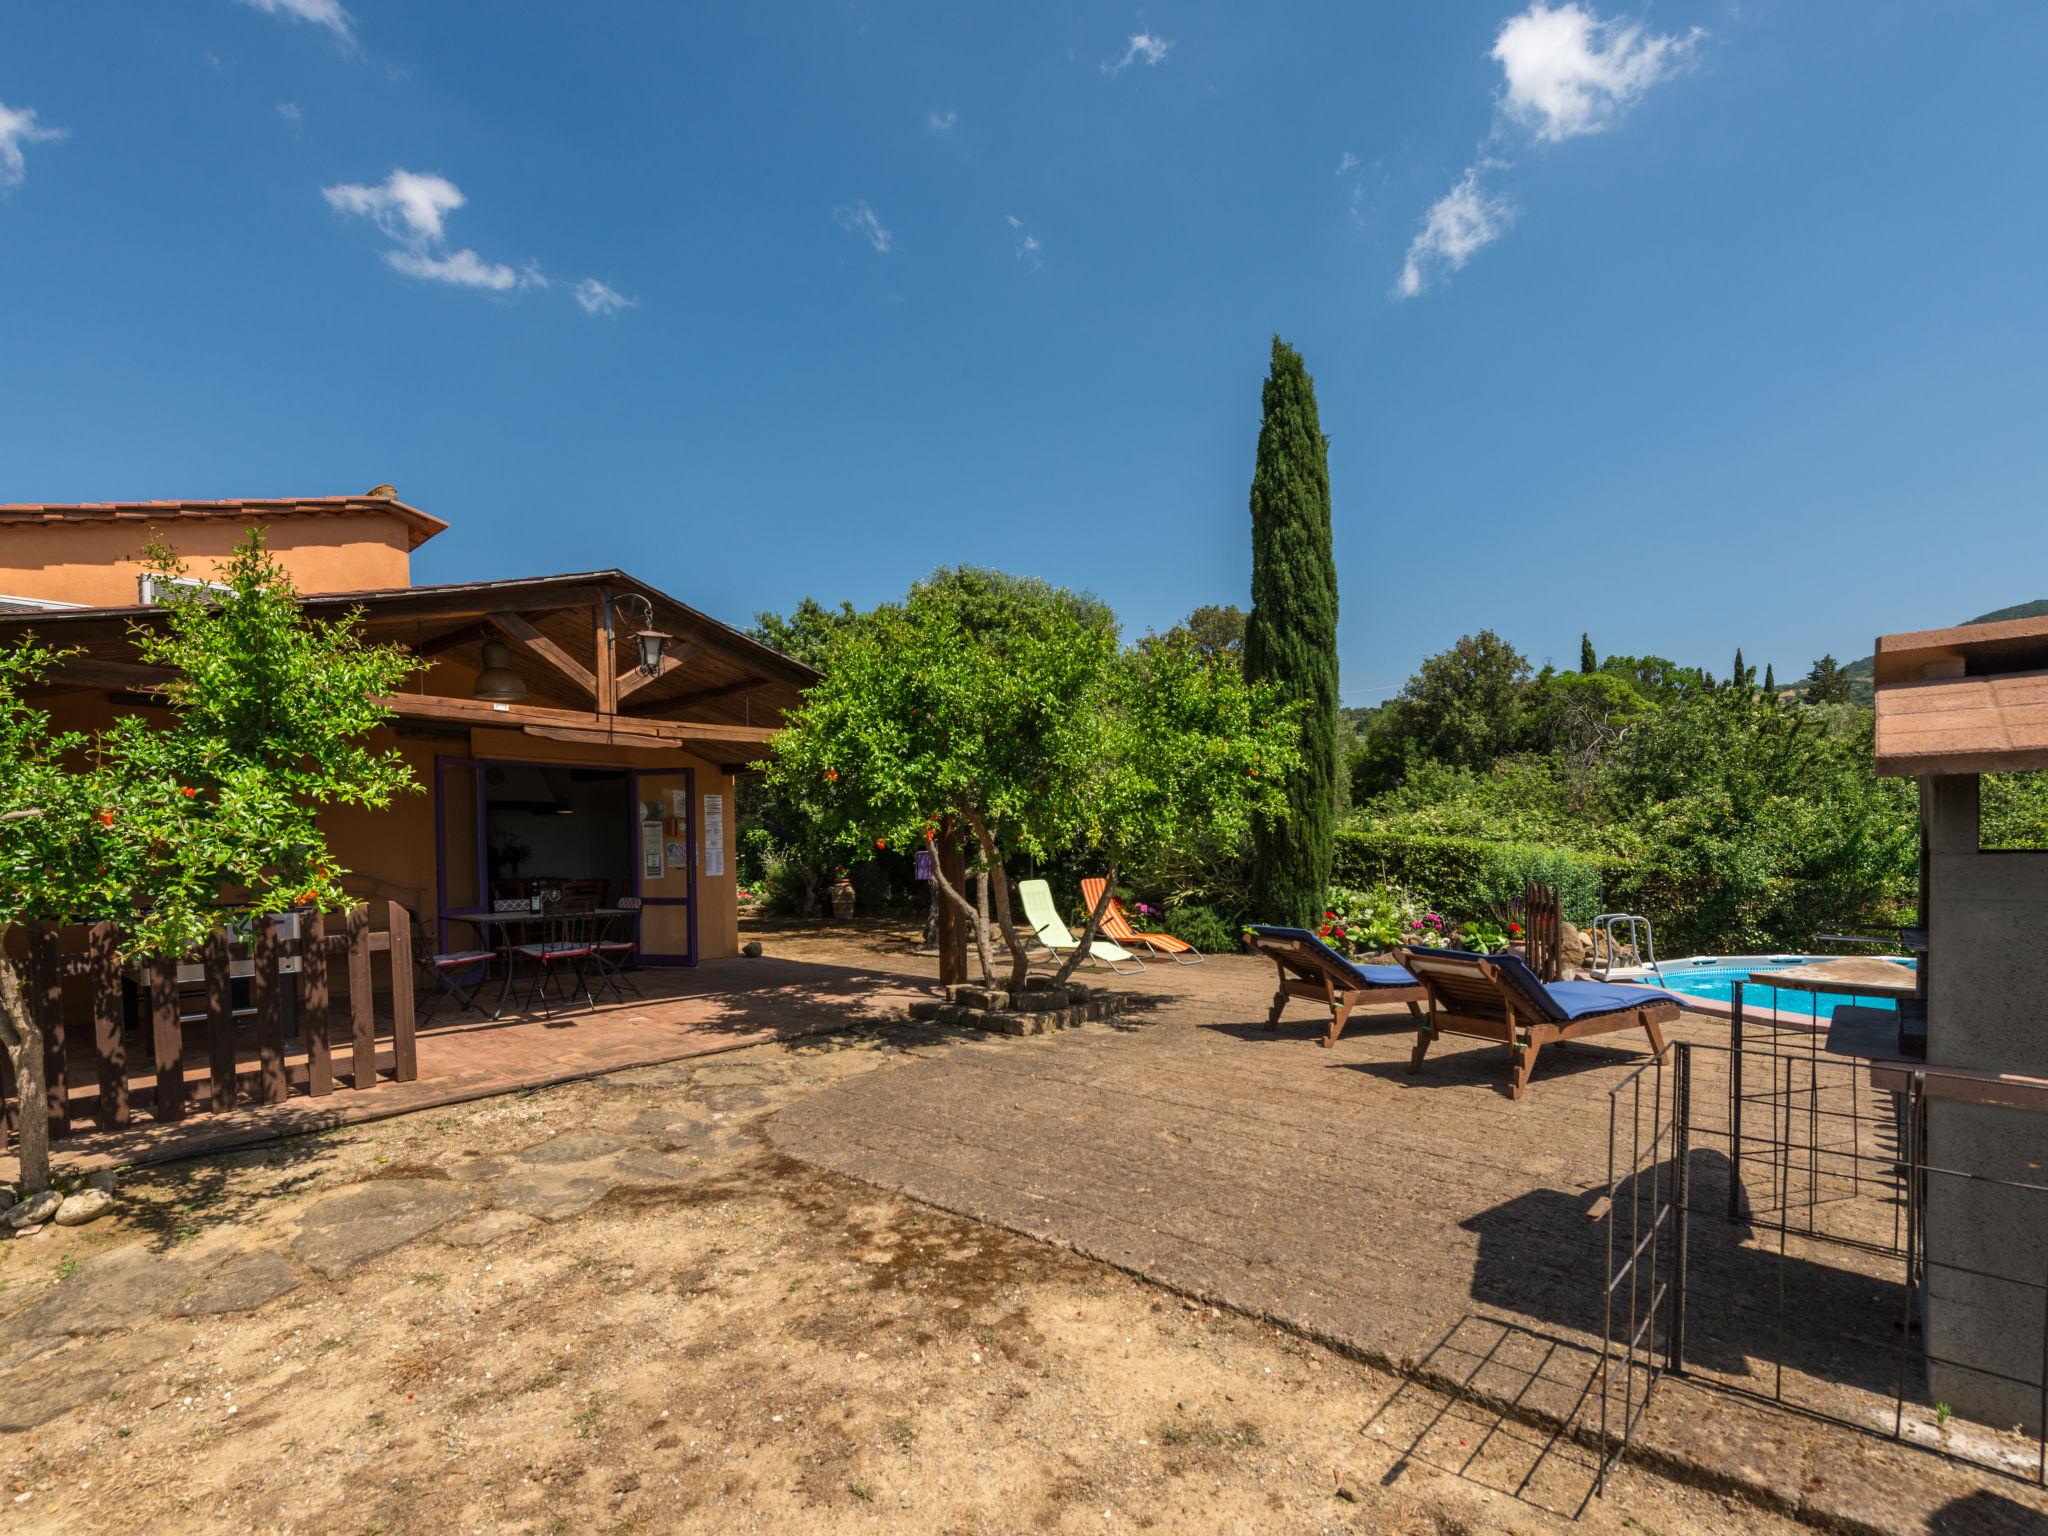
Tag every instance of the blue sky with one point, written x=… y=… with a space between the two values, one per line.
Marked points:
x=1691 y=325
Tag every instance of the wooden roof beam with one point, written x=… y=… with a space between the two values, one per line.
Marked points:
x=632 y=681
x=545 y=651
x=707 y=695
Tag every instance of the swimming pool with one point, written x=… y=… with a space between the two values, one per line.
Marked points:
x=1711 y=980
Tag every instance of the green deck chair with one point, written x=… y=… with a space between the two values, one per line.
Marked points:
x=1044 y=917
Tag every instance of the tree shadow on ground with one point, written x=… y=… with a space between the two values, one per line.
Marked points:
x=1985 y=1513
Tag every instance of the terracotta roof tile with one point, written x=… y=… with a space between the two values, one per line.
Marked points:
x=420 y=526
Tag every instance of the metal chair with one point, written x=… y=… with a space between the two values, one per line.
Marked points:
x=568 y=940
x=445 y=968
x=617 y=942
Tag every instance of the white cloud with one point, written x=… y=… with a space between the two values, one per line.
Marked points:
x=1565 y=72
x=289 y=111
x=601 y=298
x=860 y=219
x=408 y=206
x=941 y=122
x=412 y=209
x=1460 y=224
x=463 y=268
x=18 y=126
x=1349 y=163
x=1568 y=72
x=1029 y=249
x=322 y=13
x=1144 y=48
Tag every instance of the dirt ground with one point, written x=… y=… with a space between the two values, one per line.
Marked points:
x=657 y=1323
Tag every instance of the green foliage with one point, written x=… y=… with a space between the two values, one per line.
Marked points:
x=270 y=714
x=2013 y=811
x=1589 y=659
x=1463 y=705
x=1826 y=683
x=1204 y=927
x=1291 y=638
x=1374 y=919
x=1468 y=876
x=1656 y=678
x=1483 y=936
x=1003 y=709
x=1215 y=630
x=806 y=633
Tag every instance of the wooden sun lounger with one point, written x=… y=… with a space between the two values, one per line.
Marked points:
x=1116 y=924
x=1310 y=969
x=1497 y=997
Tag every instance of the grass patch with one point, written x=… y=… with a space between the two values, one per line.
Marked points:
x=1206 y=1435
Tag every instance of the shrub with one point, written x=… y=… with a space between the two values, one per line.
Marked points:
x=1469 y=876
x=1204 y=927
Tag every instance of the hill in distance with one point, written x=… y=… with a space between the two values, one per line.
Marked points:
x=1859 y=672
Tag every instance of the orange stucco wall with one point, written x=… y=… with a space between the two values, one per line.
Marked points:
x=98 y=563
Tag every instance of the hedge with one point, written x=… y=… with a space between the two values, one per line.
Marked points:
x=1468 y=877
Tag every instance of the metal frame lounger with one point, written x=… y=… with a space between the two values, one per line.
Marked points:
x=1049 y=930
x=1497 y=997
x=1310 y=969
x=1117 y=925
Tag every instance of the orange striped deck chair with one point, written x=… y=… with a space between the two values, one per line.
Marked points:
x=1115 y=925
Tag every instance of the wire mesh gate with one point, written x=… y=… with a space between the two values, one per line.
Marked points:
x=1766 y=1214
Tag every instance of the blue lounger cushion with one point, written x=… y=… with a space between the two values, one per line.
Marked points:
x=1362 y=975
x=1563 y=1001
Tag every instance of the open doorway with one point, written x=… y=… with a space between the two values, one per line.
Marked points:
x=556 y=825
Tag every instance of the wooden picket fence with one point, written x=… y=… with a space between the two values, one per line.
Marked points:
x=336 y=1024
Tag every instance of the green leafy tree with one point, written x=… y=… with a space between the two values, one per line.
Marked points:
x=1770 y=681
x=782 y=846
x=1463 y=705
x=1215 y=629
x=1001 y=711
x=1827 y=683
x=170 y=830
x=1291 y=637
x=1589 y=660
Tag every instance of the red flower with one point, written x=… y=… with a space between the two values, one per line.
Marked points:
x=1514 y=927
x=106 y=818
x=881 y=842
x=832 y=775
x=187 y=791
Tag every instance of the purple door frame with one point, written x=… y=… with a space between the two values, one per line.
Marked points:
x=689 y=777
x=483 y=885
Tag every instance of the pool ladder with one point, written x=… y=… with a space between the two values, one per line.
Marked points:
x=1642 y=938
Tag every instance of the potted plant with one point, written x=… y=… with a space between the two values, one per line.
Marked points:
x=842 y=895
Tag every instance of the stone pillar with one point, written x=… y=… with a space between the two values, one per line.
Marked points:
x=1986 y=916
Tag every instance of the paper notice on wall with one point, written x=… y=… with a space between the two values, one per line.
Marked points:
x=679 y=804
x=713 y=834
x=651 y=867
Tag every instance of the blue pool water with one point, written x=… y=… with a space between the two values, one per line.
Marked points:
x=1714 y=977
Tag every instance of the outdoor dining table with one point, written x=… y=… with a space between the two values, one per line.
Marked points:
x=505 y=940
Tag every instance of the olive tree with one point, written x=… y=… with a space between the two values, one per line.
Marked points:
x=171 y=829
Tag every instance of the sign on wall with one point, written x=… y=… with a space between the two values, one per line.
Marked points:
x=651 y=867
x=714 y=834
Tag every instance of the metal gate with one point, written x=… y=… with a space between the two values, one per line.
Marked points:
x=1809 y=1272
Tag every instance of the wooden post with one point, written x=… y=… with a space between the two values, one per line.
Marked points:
x=167 y=1038
x=605 y=651
x=405 y=1061
x=952 y=929
x=104 y=969
x=264 y=996
x=361 y=1001
x=216 y=960
x=313 y=1003
x=47 y=997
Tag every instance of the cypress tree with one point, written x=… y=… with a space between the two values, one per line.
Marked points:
x=1291 y=636
x=1770 y=681
x=1737 y=676
x=1588 y=661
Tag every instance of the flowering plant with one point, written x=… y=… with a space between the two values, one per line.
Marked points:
x=1372 y=921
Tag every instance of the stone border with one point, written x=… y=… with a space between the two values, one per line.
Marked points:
x=1037 y=1010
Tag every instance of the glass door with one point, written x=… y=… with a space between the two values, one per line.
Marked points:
x=665 y=865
